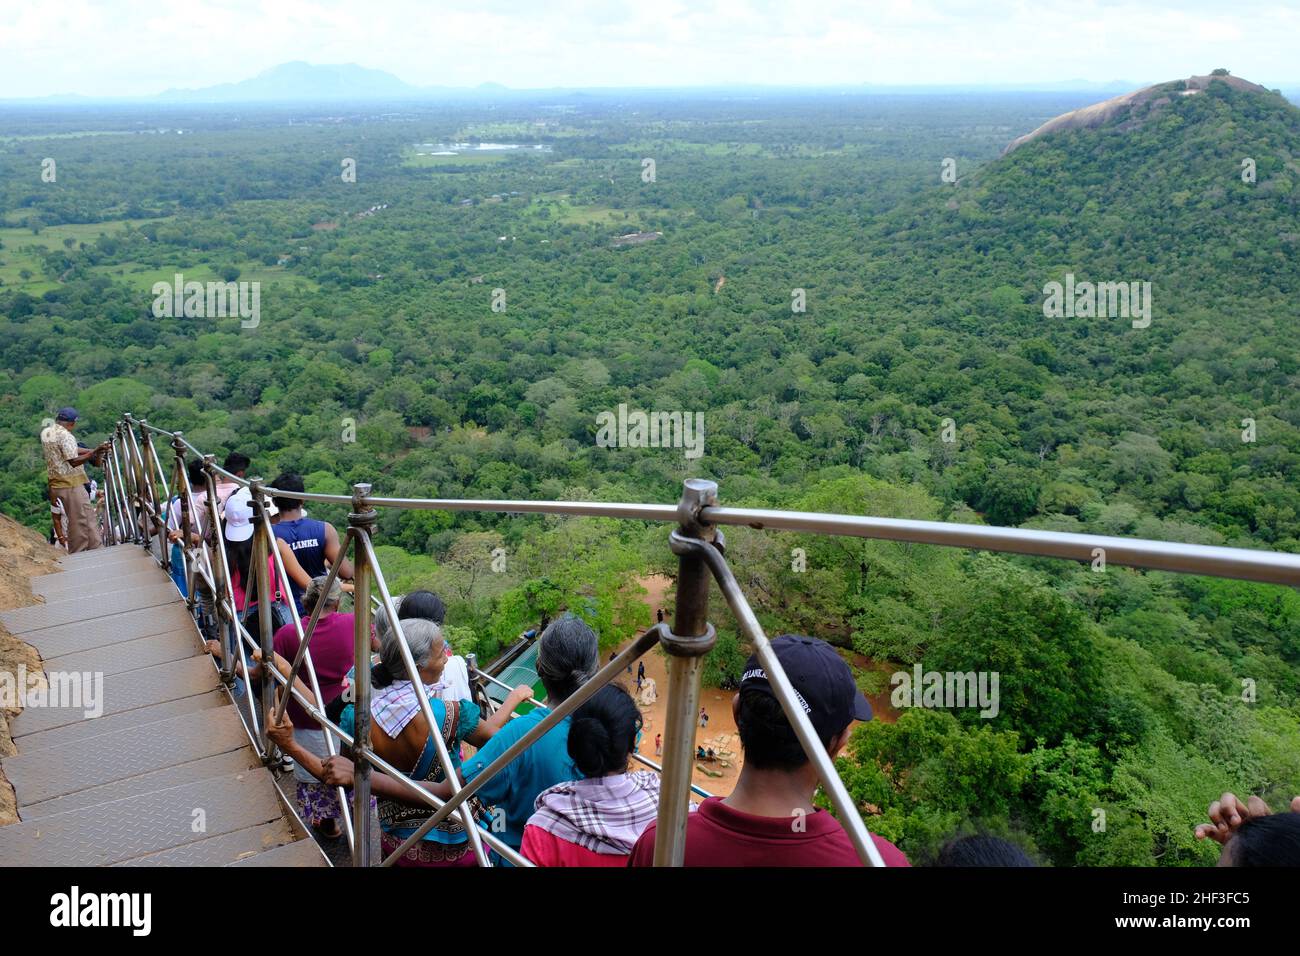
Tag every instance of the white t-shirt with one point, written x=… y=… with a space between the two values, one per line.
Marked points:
x=455 y=675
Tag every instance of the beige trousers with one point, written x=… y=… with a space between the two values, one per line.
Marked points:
x=79 y=517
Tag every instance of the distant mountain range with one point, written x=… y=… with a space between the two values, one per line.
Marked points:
x=299 y=82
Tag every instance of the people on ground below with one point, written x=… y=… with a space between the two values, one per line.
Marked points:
x=982 y=850
x=65 y=468
x=567 y=656
x=659 y=745
x=769 y=819
x=401 y=736
x=1251 y=833
x=314 y=543
x=331 y=657
x=596 y=819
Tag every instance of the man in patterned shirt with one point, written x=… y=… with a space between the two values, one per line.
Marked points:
x=64 y=462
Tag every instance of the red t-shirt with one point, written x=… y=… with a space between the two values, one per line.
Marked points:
x=717 y=835
x=546 y=849
x=331 y=654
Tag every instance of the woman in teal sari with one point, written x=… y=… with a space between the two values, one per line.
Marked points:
x=401 y=736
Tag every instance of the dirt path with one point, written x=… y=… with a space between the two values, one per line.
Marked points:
x=23 y=554
x=721 y=731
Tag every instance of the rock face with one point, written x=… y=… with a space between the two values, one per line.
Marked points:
x=1139 y=105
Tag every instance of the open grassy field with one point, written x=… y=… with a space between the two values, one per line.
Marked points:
x=145 y=275
x=15 y=239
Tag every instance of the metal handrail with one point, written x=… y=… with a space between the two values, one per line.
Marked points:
x=699 y=544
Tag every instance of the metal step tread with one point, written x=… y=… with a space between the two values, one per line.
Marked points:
x=88 y=729
x=131 y=655
x=226 y=849
x=136 y=826
x=82 y=764
x=117 y=693
x=70 y=638
x=235 y=761
x=88 y=608
x=70 y=584
x=85 y=559
x=302 y=853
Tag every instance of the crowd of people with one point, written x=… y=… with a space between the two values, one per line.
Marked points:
x=571 y=798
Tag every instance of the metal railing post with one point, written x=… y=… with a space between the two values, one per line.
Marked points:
x=262 y=544
x=691 y=638
x=223 y=607
x=360 y=522
x=158 y=503
x=183 y=526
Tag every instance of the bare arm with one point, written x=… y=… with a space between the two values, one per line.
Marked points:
x=332 y=553
x=339 y=772
x=488 y=727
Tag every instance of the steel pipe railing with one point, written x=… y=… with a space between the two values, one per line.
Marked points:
x=699 y=546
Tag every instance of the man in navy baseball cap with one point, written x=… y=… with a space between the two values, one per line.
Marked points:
x=65 y=461
x=770 y=819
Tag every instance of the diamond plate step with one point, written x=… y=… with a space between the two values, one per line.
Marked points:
x=130 y=655
x=120 y=693
x=86 y=729
x=137 y=826
x=235 y=761
x=302 y=853
x=87 y=609
x=100 y=557
x=70 y=638
x=224 y=850
x=79 y=765
x=70 y=584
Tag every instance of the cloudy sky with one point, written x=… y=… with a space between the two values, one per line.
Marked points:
x=134 y=47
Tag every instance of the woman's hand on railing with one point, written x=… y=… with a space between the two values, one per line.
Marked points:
x=337 y=771
x=280 y=731
x=214 y=648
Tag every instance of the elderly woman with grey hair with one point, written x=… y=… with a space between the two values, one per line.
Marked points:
x=402 y=737
x=566 y=659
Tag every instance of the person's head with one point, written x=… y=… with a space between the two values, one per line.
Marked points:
x=194 y=472
x=426 y=643
x=981 y=850
x=317 y=593
x=423 y=604
x=1273 y=840
x=288 y=482
x=825 y=687
x=566 y=656
x=236 y=463
x=67 y=417
x=603 y=732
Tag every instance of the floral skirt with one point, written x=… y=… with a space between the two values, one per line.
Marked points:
x=317 y=803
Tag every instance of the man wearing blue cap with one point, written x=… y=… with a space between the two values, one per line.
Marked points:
x=769 y=819
x=64 y=463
